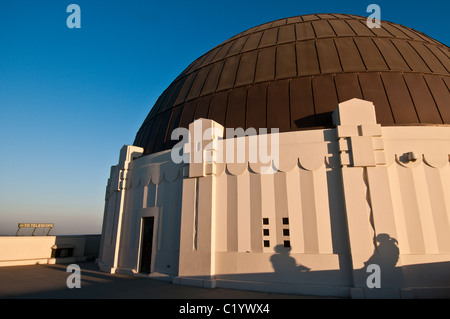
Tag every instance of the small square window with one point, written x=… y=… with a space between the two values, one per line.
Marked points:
x=266 y=243
x=285 y=221
x=265 y=221
x=287 y=243
x=286 y=232
x=265 y=232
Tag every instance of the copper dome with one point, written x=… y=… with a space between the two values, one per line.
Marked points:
x=291 y=74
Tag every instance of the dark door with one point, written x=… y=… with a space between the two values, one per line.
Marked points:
x=147 y=243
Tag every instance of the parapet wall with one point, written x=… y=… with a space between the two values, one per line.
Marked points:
x=31 y=250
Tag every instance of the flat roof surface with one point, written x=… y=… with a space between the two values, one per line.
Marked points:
x=49 y=282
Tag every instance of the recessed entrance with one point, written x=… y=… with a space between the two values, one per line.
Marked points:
x=147 y=243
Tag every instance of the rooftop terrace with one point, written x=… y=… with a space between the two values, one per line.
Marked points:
x=47 y=281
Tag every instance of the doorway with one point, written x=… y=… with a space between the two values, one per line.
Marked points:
x=147 y=244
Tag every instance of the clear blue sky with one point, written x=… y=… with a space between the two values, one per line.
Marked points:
x=71 y=98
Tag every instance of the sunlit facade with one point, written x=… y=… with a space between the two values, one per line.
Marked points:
x=358 y=200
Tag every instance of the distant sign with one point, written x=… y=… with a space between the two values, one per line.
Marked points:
x=35 y=226
x=29 y=225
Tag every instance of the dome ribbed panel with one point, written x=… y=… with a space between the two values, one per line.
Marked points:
x=291 y=74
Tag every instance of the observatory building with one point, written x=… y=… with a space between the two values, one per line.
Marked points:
x=317 y=162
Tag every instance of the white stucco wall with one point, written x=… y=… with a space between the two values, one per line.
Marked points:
x=354 y=195
x=31 y=250
x=150 y=186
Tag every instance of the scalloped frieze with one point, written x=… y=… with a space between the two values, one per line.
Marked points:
x=431 y=159
x=436 y=160
x=155 y=173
